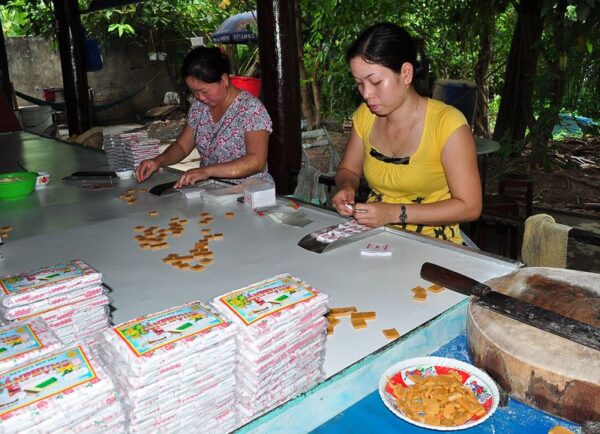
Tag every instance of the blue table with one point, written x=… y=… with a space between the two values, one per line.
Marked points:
x=371 y=415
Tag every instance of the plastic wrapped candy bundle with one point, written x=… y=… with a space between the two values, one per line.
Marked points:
x=341 y=231
x=174 y=368
x=281 y=342
x=139 y=147
x=67 y=391
x=69 y=296
x=22 y=342
x=128 y=150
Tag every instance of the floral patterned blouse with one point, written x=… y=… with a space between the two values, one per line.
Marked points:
x=224 y=140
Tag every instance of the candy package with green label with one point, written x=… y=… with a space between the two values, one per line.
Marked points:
x=22 y=342
x=39 y=284
x=54 y=393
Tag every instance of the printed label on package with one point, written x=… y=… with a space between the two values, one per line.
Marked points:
x=18 y=340
x=256 y=302
x=164 y=328
x=44 y=378
x=44 y=276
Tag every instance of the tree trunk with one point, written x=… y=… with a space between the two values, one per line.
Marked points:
x=541 y=134
x=423 y=81
x=306 y=100
x=516 y=112
x=482 y=68
x=316 y=93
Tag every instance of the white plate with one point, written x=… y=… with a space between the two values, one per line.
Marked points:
x=483 y=386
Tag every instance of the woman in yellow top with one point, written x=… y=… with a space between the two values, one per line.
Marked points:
x=417 y=154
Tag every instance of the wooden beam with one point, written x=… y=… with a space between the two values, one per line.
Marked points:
x=281 y=89
x=4 y=74
x=72 y=60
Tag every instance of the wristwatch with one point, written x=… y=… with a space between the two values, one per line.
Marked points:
x=403 y=215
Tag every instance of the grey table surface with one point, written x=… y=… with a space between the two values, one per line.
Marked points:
x=64 y=222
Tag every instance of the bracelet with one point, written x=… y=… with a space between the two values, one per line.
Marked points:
x=403 y=215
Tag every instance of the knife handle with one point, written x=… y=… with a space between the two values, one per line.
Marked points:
x=453 y=280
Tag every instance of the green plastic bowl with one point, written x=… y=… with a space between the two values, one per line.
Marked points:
x=16 y=184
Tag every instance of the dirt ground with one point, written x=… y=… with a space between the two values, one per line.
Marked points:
x=571 y=184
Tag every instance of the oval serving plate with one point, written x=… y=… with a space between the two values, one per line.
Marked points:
x=478 y=381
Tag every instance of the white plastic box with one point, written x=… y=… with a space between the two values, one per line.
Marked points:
x=260 y=195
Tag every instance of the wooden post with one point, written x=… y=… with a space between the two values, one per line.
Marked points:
x=72 y=60
x=4 y=73
x=281 y=89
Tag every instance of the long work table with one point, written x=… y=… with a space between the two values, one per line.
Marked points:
x=65 y=221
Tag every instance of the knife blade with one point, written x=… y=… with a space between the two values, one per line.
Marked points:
x=543 y=319
x=165 y=188
x=101 y=173
x=90 y=177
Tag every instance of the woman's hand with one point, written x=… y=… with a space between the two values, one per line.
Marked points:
x=146 y=169
x=347 y=176
x=376 y=214
x=192 y=176
x=343 y=197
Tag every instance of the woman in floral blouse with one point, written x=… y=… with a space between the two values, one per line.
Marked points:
x=229 y=127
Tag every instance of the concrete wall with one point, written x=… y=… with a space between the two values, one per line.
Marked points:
x=34 y=64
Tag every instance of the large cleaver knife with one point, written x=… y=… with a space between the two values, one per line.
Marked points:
x=552 y=322
x=166 y=188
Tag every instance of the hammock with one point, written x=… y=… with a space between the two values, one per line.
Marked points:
x=60 y=106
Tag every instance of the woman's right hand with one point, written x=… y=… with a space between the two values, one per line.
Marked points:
x=344 y=197
x=146 y=169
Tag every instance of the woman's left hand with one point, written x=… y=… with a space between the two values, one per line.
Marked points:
x=376 y=214
x=192 y=176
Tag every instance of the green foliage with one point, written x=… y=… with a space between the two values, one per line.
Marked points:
x=28 y=17
x=169 y=20
x=447 y=34
x=121 y=29
x=159 y=25
x=14 y=21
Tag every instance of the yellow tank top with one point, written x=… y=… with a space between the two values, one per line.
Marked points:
x=421 y=178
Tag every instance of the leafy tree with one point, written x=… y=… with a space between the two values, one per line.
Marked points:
x=455 y=39
x=28 y=17
x=163 y=24
x=516 y=112
x=566 y=25
x=14 y=21
x=552 y=29
x=329 y=27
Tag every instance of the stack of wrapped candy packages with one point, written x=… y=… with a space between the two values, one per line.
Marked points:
x=281 y=341
x=69 y=296
x=46 y=387
x=175 y=370
x=341 y=231
x=128 y=150
x=26 y=341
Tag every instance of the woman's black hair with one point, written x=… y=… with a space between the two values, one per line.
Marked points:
x=205 y=64
x=384 y=44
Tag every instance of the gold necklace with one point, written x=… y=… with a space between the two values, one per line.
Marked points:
x=395 y=154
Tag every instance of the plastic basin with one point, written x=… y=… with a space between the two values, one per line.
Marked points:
x=249 y=84
x=16 y=184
